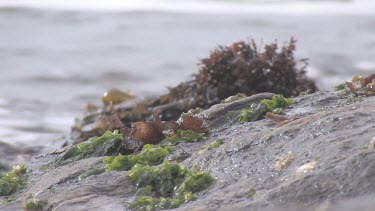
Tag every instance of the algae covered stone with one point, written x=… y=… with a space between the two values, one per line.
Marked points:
x=278 y=101
x=110 y=143
x=12 y=181
x=185 y=136
x=259 y=111
x=150 y=155
x=170 y=183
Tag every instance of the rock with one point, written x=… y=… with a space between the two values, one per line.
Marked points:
x=332 y=129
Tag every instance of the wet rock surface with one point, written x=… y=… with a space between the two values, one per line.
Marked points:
x=330 y=140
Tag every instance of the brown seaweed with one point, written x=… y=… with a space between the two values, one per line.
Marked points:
x=363 y=86
x=192 y=123
x=149 y=132
x=241 y=68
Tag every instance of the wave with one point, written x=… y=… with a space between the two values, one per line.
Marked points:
x=361 y=7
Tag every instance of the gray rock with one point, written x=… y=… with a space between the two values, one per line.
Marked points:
x=333 y=132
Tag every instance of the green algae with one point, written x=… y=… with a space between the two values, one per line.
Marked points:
x=107 y=144
x=8 y=200
x=91 y=172
x=258 y=111
x=35 y=205
x=13 y=180
x=185 y=136
x=252 y=114
x=170 y=184
x=340 y=87
x=146 y=203
x=216 y=144
x=195 y=182
x=150 y=155
x=277 y=102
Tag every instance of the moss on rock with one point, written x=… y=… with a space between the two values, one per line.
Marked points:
x=110 y=143
x=185 y=136
x=170 y=185
x=12 y=181
x=150 y=155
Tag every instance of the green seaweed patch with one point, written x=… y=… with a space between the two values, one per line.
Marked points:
x=91 y=172
x=254 y=113
x=150 y=155
x=341 y=87
x=35 y=205
x=13 y=180
x=185 y=136
x=151 y=203
x=216 y=144
x=170 y=183
x=8 y=200
x=277 y=102
x=110 y=143
x=258 y=111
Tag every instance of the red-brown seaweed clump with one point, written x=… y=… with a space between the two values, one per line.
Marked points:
x=242 y=68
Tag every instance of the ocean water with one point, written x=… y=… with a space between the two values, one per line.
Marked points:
x=55 y=56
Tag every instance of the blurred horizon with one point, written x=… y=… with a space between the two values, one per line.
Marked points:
x=207 y=6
